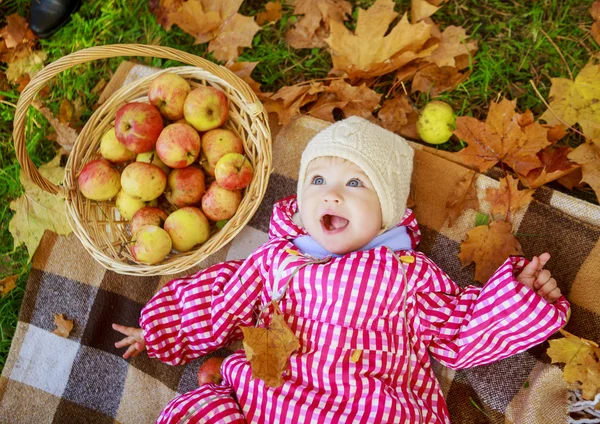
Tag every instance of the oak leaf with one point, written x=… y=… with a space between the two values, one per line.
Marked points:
x=508 y=198
x=368 y=51
x=360 y=101
x=269 y=349
x=63 y=325
x=394 y=113
x=37 y=211
x=7 y=284
x=311 y=29
x=576 y=101
x=287 y=101
x=588 y=156
x=271 y=14
x=488 y=247
x=462 y=198
x=501 y=139
x=452 y=45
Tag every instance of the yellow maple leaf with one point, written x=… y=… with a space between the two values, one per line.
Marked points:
x=8 y=284
x=576 y=101
x=508 y=198
x=29 y=65
x=37 y=211
x=588 y=156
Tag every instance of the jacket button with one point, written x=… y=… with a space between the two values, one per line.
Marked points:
x=407 y=259
x=355 y=357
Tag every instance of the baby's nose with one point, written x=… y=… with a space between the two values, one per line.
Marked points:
x=332 y=196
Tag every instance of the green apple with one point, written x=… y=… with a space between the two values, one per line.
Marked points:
x=436 y=122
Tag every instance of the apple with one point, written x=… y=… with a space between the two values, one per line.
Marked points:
x=185 y=186
x=206 y=108
x=436 y=122
x=147 y=216
x=152 y=157
x=178 y=145
x=143 y=181
x=210 y=371
x=113 y=150
x=99 y=181
x=234 y=171
x=137 y=126
x=168 y=92
x=187 y=227
x=128 y=205
x=216 y=144
x=219 y=203
x=151 y=244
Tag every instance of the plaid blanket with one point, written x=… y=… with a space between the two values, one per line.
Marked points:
x=83 y=379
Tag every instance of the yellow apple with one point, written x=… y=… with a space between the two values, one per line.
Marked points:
x=99 y=181
x=187 y=227
x=113 y=150
x=152 y=157
x=151 y=244
x=436 y=122
x=128 y=205
x=143 y=181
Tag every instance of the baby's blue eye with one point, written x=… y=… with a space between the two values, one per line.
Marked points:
x=318 y=181
x=355 y=182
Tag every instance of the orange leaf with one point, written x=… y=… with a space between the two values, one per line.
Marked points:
x=269 y=349
x=287 y=101
x=18 y=39
x=243 y=70
x=489 y=246
x=65 y=112
x=236 y=32
x=8 y=284
x=555 y=165
x=508 y=198
x=453 y=43
x=351 y=100
x=463 y=197
x=393 y=115
x=435 y=80
x=63 y=325
x=588 y=156
x=595 y=10
x=272 y=13
x=501 y=139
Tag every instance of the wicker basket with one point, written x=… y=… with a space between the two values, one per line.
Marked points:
x=98 y=224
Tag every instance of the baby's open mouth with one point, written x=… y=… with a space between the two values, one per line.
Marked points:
x=334 y=222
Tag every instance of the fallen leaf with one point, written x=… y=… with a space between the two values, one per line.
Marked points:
x=394 y=112
x=63 y=325
x=501 y=139
x=595 y=10
x=595 y=32
x=65 y=111
x=65 y=135
x=19 y=40
x=359 y=101
x=453 y=43
x=421 y=9
x=8 y=283
x=271 y=14
x=462 y=198
x=29 y=65
x=508 y=198
x=235 y=33
x=556 y=132
x=37 y=211
x=287 y=101
x=243 y=70
x=488 y=247
x=555 y=165
x=435 y=80
x=576 y=101
x=311 y=29
x=268 y=349
x=367 y=52
x=572 y=179
x=588 y=156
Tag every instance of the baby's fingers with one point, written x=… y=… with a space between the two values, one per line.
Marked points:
x=128 y=331
x=553 y=295
x=131 y=352
x=127 y=341
x=547 y=288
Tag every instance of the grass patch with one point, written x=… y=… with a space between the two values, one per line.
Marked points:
x=517 y=43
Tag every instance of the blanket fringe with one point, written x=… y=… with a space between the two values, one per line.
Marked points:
x=583 y=411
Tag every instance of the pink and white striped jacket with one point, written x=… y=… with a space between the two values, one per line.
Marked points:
x=367 y=325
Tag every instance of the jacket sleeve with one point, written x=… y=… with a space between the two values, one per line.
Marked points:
x=478 y=325
x=190 y=317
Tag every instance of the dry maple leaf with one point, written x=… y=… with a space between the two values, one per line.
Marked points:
x=595 y=12
x=555 y=163
x=29 y=65
x=501 y=139
x=65 y=135
x=367 y=52
x=243 y=70
x=18 y=39
x=588 y=156
x=37 y=211
x=488 y=247
x=435 y=80
x=394 y=112
x=452 y=45
x=268 y=349
x=508 y=198
x=63 y=325
x=7 y=284
x=421 y=9
x=235 y=33
x=576 y=101
x=287 y=101
x=311 y=29
x=360 y=101
x=271 y=14
x=463 y=197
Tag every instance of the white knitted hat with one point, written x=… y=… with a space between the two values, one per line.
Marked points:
x=385 y=157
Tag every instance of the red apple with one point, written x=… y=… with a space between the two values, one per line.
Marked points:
x=219 y=203
x=210 y=371
x=178 y=145
x=147 y=216
x=216 y=144
x=233 y=171
x=168 y=92
x=143 y=181
x=99 y=181
x=206 y=108
x=137 y=126
x=185 y=186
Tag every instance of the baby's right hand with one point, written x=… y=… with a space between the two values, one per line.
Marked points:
x=135 y=340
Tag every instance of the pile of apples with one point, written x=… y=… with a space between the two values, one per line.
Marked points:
x=157 y=162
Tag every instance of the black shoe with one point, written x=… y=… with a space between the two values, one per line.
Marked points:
x=48 y=16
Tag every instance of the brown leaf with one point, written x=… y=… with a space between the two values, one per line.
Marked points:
x=463 y=197
x=311 y=29
x=556 y=132
x=272 y=13
x=235 y=33
x=268 y=349
x=243 y=70
x=595 y=10
x=588 y=156
x=65 y=135
x=65 y=113
x=572 y=179
x=360 y=101
x=421 y=9
x=595 y=32
x=488 y=247
x=508 y=198
x=393 y=115
x=287 y=101
x=367 y=52
x=30 y=65
x=435 y=80
x=63 y=325
x=555 y=163
x=8 y=283
x=453 y=43
x=15 y=31
x=501 y=139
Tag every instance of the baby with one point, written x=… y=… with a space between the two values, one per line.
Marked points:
x=368 y=308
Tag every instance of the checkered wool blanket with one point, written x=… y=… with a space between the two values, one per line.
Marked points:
x=83 y=379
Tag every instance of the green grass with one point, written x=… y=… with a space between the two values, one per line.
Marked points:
x=514 y=48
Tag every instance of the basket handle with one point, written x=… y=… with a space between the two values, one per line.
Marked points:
x=103 y=52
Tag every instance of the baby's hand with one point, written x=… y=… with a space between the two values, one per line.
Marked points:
x=539 y=279
x=135 y=340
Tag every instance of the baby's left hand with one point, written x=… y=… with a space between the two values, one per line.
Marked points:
x=539 y=279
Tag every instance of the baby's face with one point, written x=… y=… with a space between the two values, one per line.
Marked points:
x=340 y=207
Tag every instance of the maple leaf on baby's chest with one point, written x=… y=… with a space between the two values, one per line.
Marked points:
x=269 y=349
